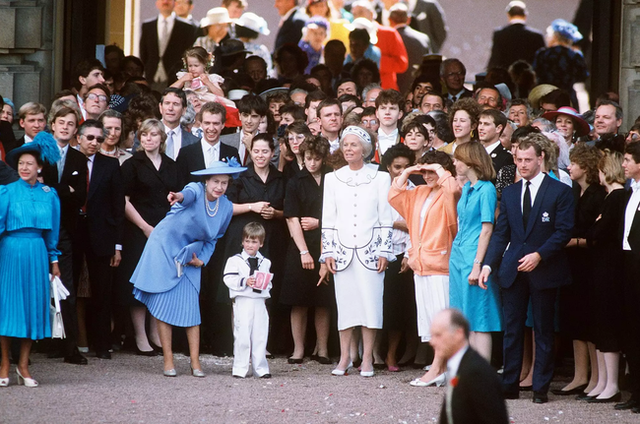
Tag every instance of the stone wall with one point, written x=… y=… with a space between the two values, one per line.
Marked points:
x=27 y=70
x=630 y=62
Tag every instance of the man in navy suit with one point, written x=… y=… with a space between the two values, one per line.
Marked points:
x=526 y=252
x=209 y=149
x=515 y=41
x=292 y=20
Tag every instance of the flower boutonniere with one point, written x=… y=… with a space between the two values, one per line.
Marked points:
x=454 y=381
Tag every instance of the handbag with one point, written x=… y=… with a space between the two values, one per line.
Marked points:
x=58 y=291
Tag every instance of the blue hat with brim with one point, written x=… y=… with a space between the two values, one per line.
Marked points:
x=43 y=146
x=567 y=30
x=229 y=167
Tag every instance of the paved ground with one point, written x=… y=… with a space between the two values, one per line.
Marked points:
x=131 y=389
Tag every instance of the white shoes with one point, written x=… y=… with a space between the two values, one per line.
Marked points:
x=340 y=373
x=28 y=382
x=4 y=382
x=439 y=381
x=367 y=373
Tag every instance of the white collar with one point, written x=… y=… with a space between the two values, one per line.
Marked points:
x=176 y=131
x=392 y=134
x=27 y=139
x=206 y=145
x=536 y=181
x=169 y=18
x=491 y=147
x=91 y=158
x=514 y=21
x=246 y=256
x=353 y=178
x=453 y=364
x=289 y=13
x=64 y=149
x=635 y=185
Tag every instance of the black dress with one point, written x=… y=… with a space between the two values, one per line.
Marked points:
x=147 y=189
x=249 y=188
x=299 y=286
x=574 y=298
x=605 y=244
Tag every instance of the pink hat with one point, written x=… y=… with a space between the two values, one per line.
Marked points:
x=581 y=126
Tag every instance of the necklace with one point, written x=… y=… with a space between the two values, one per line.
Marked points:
x=212 y=211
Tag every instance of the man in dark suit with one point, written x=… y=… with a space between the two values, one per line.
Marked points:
x=32 y=120
x=631 y=288
x=453 y=72
x=416 y=43
x=474 y=395
x=515 y=41
x=292 y=20
x=69 y=178
x=252 y=109
x=162 y=43
x=173 y=105
x=491 y=123
x=202 y=154
x=428 y=17
x=526 y=253
x=99 y=232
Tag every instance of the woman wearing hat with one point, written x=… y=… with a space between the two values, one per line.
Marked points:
x=559 y=64
x=167 y=278
x=248 y=28
x=29 y=224
x=357 y=226
x=216 y=26
x=569 y=123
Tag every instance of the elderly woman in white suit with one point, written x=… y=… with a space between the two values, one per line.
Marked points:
x=357 y=226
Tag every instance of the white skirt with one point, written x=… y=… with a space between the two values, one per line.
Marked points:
x=359 y=296
x=432 y=296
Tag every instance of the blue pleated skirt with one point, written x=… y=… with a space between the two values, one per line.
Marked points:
x=179 y=306
x=24 y=286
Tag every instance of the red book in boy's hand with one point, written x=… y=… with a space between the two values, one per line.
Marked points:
x=262 y=280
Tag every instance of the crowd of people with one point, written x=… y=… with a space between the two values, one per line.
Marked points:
x=358 y=181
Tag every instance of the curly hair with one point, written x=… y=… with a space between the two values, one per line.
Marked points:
x=470 y=106
x=315 y=145
x=587 y=158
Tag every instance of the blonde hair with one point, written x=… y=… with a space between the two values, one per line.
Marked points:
x=611 y=166
x=475 y=156
x=153 y=124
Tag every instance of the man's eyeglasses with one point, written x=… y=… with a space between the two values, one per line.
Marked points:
x=369 y=122
x=92 y=137
x=100 y=97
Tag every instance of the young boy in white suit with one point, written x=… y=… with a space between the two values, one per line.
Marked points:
x=250 y=317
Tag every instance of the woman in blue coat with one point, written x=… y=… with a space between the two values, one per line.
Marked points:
x=29 y=225
x=167 y=278
x=480 y=303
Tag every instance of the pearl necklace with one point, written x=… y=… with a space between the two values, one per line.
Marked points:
x=211 y=211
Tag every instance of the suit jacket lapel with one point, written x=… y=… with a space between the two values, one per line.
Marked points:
x=95 y=175
x=535 y=209
x=200 y=157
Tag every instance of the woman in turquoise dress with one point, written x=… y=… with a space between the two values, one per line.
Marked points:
x=167 y=278
x=29 y=225
x=480 y=303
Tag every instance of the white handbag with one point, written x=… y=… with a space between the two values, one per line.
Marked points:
x=58 y=291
